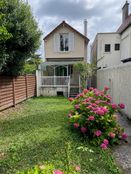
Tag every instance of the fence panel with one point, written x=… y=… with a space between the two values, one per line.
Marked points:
x=14 y=90
x=118 y=80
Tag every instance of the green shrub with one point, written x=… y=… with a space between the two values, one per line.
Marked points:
x=94 y=115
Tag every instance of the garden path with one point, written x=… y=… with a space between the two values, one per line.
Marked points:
x=123 y=151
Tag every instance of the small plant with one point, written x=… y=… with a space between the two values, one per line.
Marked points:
x=50 y=169
x=95 y=116
x=68 y=167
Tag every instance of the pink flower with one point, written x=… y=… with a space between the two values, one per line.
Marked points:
x=108 y=97
x=105 y=141
x=100 y=112
x=114 y=106
x=97 y=93
x=77 y=106
x=89 y=107
x=91 y=118
x=76 y=125
x=97 y=102
x=105 y=110
x=77 y=168
x=121 y=105
x=124 y=136
x=81 y=95
x=103 y=146
x=106 y=88
x=112 y=135
x=85 y=91
x=93 y=104
x=83 y=130
x=98 y=133
x=58 y=172
x=70 y=99
x=91 y=88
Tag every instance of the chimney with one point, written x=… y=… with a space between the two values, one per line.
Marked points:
x=85 y=27
x=125 y=11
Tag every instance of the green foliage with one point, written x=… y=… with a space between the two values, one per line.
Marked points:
x=95 y=116
x=4 y=35
x=21 y=36
x=32 y=64
x=85 y=70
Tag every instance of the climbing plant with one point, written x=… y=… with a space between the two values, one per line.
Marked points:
x=85 y=70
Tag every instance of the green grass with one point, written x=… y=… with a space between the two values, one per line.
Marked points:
x=40 y=133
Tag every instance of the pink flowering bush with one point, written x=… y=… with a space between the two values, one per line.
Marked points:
x=94 y=115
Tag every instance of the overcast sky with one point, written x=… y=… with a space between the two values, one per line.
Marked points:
x=102 y=15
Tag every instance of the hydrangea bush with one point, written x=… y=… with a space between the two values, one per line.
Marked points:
x=94 y=115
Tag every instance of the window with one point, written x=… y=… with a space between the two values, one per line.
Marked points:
x=107 y=48
x=64 y=42
x=117 y=47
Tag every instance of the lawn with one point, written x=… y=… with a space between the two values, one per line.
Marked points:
x=40 y=133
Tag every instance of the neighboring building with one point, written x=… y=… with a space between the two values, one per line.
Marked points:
x=64 y=46
x=106 y=50
x=109 y=49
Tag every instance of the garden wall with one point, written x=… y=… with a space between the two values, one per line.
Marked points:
x=14 y=90
x=118 y=78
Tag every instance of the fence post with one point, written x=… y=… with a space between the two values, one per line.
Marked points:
x=13 y=90
x=38 y=82
x=26 y=86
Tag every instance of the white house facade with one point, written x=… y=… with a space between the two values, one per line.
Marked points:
x=109 y=49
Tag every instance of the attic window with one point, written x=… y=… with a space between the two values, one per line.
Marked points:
x=64 y=42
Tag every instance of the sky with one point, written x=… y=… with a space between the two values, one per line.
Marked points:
x=102 y=15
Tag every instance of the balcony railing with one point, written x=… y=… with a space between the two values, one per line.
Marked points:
x=55 y=81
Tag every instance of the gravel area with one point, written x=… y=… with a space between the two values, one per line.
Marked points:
x=122 y=152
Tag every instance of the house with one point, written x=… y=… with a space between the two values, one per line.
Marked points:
x=64 y=46
x=109 y=49
x=114 y=48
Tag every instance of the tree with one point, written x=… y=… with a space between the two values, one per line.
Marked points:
x=4 y=35
x=32 y=64
x=25 y=36
x=86 y=71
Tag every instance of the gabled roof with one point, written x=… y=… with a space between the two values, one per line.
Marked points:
x=62 y=24
x=124 y=25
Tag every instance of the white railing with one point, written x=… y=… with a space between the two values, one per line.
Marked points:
x=55 y=81
x=69 y=87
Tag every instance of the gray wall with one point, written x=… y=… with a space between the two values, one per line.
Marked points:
x=118 y=78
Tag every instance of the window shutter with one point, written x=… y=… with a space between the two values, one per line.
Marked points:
x=71 y=41
x=56 y=42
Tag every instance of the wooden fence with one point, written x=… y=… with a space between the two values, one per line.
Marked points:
x=14 y=90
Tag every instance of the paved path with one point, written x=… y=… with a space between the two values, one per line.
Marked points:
x=123 y=151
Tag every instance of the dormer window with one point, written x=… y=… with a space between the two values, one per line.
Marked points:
x=64 y=42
